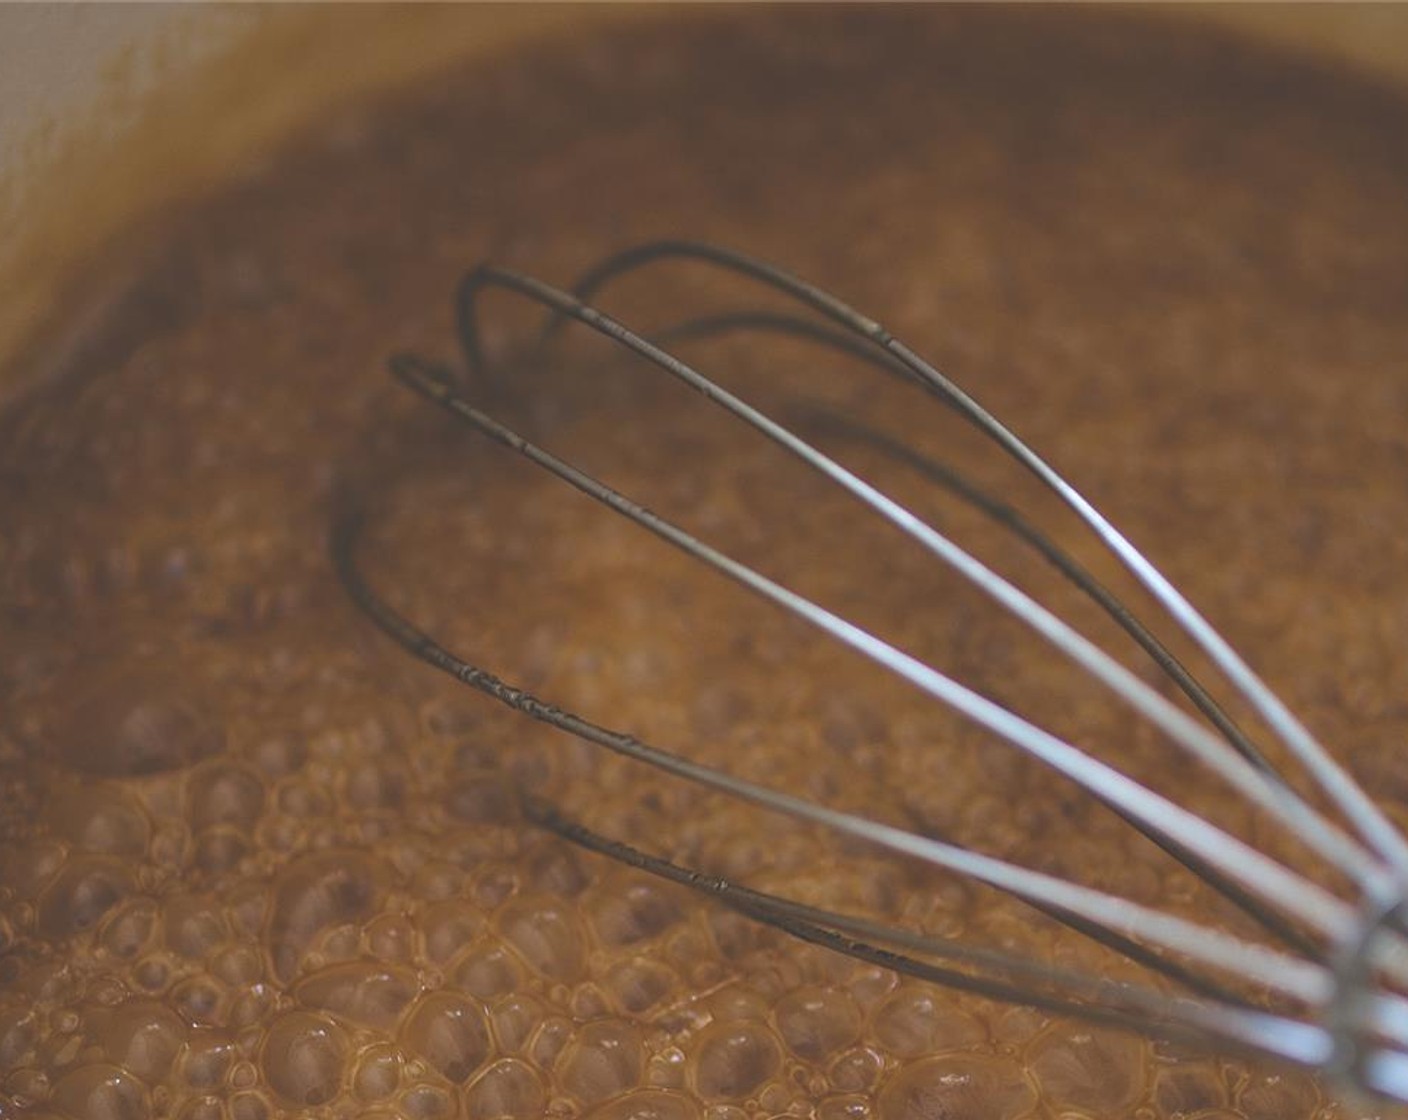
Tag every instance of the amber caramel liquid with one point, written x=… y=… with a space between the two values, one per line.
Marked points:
x=256 y=861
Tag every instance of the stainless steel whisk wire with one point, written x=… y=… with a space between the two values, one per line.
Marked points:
x=1340 y=962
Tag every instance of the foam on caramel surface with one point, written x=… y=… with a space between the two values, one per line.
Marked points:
x=255 y=861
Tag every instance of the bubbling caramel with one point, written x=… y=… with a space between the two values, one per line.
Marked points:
x=256 y=862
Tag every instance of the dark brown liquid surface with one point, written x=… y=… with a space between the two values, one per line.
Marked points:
x=256 y=860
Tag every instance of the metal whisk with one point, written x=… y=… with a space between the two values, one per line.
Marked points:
x=1332 y=971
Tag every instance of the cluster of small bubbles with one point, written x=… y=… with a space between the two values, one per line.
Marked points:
x=358 y=976
x=224 y=804
x=272 y=871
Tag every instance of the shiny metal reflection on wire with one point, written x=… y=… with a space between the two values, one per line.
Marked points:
x=1332 y=970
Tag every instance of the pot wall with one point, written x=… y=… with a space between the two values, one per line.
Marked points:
x=110 y=112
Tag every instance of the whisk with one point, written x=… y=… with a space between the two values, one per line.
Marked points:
x=1332 y=971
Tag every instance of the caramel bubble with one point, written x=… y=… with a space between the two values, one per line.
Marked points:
x=855 y=1070
x=1278 y=1096
x=237 y=964
x=377 y=784
x=956 y=1087
x=639 y=984
x=551 y=1035
x=817 y=1022
x=279 y=755
x=508 y=1090
x=515 y=1017
x=391 y=937
x=199 y=1001
x=482 y=797
x=1183 y=1090
x=129 y=928
x=313 y=893
x=843 y=1108
x=364 y=992
x=220 y=849
x=152 y=972
x=303 y=1058
x=209 y=1056
x=647 y=1104
x=378 y=1072
x=140 y=721
x=249 y=1106
x=248 y=904
x=625 y=911
x=102 y=818
x=1102 y=1072
x=493 y=885
x=915 y=1021
x=223 y=793
x=83 y=891
x=587 y=1003
x=206 y=1107
x=735 y=1002
x=143 y=1036
x=101 y=1092
x=450 y=1032
x=545 y=935
x=448 y=927
x=27 y=868
x=556 y=869
x=488 y=970
x=426 y=1102
x=603 y=1059
x=732 y=1060
x=193 y=926
x=19 y=1031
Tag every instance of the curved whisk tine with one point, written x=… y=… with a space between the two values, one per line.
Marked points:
x=1356 y=806
x=957 y=484
x=1229 y=1020
x=1294 y=979
x=1343 y=964
x=1246 y=1030
x=994 y=974
x=1301 y=820
x=1009 y=518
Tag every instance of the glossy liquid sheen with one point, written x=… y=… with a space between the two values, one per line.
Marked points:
x=257 y=861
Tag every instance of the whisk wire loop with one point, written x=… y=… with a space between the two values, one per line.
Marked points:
x=953 y=482
x=1358 y=808
x=1289 y=975
x=1042 y=986
x=1334 y=954
x=1257 y=873
x=1007 y=977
